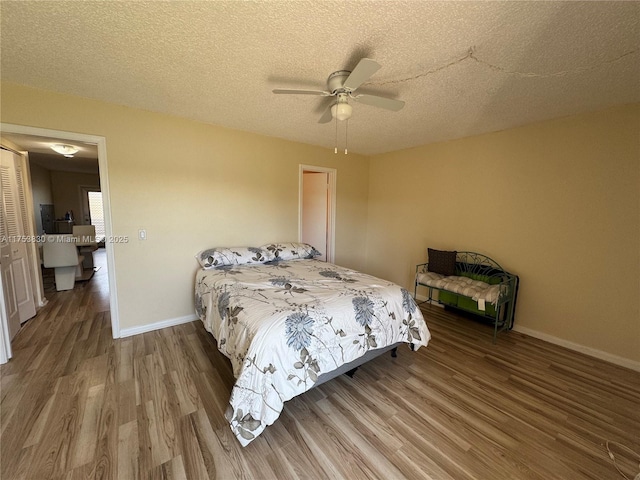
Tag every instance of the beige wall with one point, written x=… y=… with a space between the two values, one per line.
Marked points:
x=192 y=186
x=557 y=203
x=66 y=192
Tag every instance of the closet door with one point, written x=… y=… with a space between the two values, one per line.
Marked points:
x=8 y=224
x=16 y=275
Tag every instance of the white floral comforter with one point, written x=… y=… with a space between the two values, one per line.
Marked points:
x=283 y=324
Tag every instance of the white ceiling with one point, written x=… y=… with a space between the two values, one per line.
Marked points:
x=463 y=68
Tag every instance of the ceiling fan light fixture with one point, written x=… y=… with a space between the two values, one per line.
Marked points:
x=341 y=111
x=66 y=150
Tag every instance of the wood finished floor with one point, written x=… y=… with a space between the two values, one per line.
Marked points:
x=77 y=404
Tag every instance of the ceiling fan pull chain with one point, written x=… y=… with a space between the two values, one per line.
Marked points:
x=346 y=135
x=336 y=149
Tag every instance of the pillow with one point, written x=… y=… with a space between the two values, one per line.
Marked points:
x=220 y=257
x=290 y=251
x=442 y=262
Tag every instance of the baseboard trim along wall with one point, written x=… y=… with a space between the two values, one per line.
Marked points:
x=170 y=322
x=592 y=352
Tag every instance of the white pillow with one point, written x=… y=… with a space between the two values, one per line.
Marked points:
x=222 y=256
x=289 y=251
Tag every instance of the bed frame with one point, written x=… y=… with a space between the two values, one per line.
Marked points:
x=351 y=367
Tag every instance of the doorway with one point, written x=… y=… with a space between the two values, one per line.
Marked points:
x=93 y=210
x=316 y=224
x=100 y=143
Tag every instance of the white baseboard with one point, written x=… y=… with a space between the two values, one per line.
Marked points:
x=170 y=322
x=609 y=357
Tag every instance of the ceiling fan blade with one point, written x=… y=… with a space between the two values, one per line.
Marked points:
x=365 y=68
x=326 y=116
x=301 y=92
x=382 y=102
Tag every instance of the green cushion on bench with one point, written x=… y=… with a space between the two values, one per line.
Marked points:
x=491 y=280
x=465 y=303
x=448 y=298
x=471 y=305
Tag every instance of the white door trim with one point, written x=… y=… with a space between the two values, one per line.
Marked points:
x=331 y=210
x=101 y=142
x=36 y=280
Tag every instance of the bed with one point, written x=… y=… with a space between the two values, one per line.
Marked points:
x=288 y=322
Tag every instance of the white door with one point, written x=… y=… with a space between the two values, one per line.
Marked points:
x=7 y=226
x=315 y=208
x=10 y=302
x=16 y=274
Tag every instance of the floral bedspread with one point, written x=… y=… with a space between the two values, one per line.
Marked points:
x=283 y=324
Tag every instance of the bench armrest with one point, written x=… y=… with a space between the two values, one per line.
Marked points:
x=423 y=269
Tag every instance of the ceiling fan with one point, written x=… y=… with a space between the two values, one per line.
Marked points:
x=342 y=85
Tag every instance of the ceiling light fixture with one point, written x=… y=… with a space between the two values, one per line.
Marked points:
x=66 y=150
x=341 y=109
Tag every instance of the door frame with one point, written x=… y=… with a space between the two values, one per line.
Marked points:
x=5 y=338
x=101 y=142
x=331 y=208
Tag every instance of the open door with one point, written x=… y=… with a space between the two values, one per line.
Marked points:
x=317 y=209
x=9 y=300
x=16 y=273
x=315 y=203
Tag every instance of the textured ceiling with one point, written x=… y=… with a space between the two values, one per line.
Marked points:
x=462 y=68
